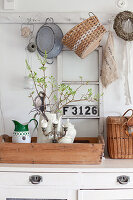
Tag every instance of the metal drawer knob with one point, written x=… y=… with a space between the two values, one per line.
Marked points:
x=123 y=179
x=35 y=179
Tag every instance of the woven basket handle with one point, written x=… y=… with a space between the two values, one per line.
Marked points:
x=127 y=112
x=126 y=123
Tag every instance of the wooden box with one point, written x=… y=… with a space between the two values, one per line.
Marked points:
x=82 y=151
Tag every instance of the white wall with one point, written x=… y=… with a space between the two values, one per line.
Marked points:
x=15 y=103
x=107 y=6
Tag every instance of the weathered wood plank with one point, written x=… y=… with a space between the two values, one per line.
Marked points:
x=60 y=17
x=89 y=152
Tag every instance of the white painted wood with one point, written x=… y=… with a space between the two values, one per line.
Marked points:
x=89 y=69
x=78 y=82
x=106 y=194
x=80 y=196
x=67 y=180
x=107 y=166
x=37 y=193
x=60 y=17
x=89 y=128
x=105 y=181
x=101 y=103
x=72 y=182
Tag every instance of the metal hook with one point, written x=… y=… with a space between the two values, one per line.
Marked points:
x=91 y=13
x=50 y=19
x=68 y=19
x=28 y=20
x=82 y=18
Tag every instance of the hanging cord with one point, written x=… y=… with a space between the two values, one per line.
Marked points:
x=27 y=29
x=128 y=72
x=2 y=116
x=29 y=59
x=110 y=25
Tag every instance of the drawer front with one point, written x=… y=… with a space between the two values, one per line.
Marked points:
x=126 y=194
x=38 y=179
x=38 y=193
x=107 y=180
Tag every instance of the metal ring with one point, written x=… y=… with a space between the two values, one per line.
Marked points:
x=50 y=63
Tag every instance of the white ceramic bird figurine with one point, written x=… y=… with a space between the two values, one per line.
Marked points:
x=70 y=134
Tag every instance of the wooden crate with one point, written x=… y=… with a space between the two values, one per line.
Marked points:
x=82 y=151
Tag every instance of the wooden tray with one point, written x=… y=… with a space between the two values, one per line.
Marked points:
x=82 y=151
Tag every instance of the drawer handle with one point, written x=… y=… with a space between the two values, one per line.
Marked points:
x=123 y=179
x=35 y=179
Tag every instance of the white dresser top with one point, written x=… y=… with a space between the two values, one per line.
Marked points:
x=107 y=165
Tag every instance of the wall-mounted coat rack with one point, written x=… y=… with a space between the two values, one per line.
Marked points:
x=59 y=18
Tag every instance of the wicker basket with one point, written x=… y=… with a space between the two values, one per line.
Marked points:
x=120 y=136
x=84 y=37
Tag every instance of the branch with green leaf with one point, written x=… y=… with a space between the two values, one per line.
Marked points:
x=60 y=94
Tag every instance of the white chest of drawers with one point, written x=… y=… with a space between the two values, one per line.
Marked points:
x=112 y=180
